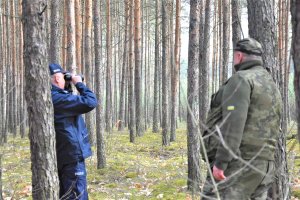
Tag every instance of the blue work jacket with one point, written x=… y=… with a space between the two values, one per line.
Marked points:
x=72 y=141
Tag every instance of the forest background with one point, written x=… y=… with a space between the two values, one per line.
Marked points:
x=153 y=65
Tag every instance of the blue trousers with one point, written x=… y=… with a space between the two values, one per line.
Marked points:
x=72 y=181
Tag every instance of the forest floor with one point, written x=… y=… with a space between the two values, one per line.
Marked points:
x=143 y=170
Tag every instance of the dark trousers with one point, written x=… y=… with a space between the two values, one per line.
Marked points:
x=72 y=181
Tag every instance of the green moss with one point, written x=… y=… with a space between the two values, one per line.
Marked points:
x=131 y=175
x=296 y=193
x=111 y=185
x=180 y=182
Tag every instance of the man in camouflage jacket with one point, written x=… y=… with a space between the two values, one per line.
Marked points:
x=247 y=110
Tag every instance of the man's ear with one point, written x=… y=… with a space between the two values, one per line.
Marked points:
x=56 y=78
x=240 y=56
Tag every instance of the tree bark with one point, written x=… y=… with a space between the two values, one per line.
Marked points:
x=39 y=105
x=236 y=23
x=14 y=79
x=295 y=10
x=138 y=67
x=108 y=113
x=55 y=41
x=261 y=23
x=101 y=157
x=193 y=143
x=124 y=70
x=226 y=33
x=175 y=74
x=165 y=73
x=71 y=37
x=131 y=99
x=88 y=64
x=78 y=33
x=203 y=64
x=155 y=125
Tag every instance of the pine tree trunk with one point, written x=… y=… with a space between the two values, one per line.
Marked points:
x=261 y=18
x=138 y=67
x=108 y=113
x=88 y=64
x=40 y=113
x=131 y=99
x=124 y=70
x=220 y=41
x=2 y=78
x=78 y=33
x=4 y=82
x=295 y=10
x=101 y=158
x=71 y=37
x=55 y=41
x=165 y=73
x=155 y=125
x=23 y=113
x=226 y=33
x=175 y=74
x=14 y=79
x=236 y=23
x=193 y=143
x=204 y=63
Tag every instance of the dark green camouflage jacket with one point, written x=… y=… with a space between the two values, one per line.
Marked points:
x=247 y=110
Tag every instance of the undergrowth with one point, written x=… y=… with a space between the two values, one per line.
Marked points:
x=143 y=170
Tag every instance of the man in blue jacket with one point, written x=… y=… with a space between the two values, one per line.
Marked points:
x=72 y=141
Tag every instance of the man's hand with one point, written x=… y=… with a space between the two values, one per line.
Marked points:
x=76 y=79
x=218 y=174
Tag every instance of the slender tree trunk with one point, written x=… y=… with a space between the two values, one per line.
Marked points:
x=193 y=143
x=108 y=113
x=220 y=41
x=165 y=73
x=155 y=126
x=122 y=97
x=131 y=98
x=138 y=67
x=41 y=128
x=4 y=82
x=23 y=113
x=236 y=23
x=214 y=80
x=175 y=77
x=14 y=79
x=64 y=37
x=2 y=78
x=226 y=33
x=287 y=70
x=78 y=33
x=71 y=36
x=55 y=41
x=101 y=158
x=88 y=63
x=1 y=155
x=204 y=63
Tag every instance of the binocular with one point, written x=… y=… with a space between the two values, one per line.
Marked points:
x=68 y=79
x=68 y=76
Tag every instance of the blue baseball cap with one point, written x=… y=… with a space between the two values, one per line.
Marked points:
x=55 y=68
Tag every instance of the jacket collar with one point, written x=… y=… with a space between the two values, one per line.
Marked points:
x=248 y=64
x=57 y=89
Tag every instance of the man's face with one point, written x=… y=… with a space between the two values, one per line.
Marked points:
x=59 y=80
x=237 y=57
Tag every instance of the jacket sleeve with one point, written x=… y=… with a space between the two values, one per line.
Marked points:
x=235 y=104
x=73 y=105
